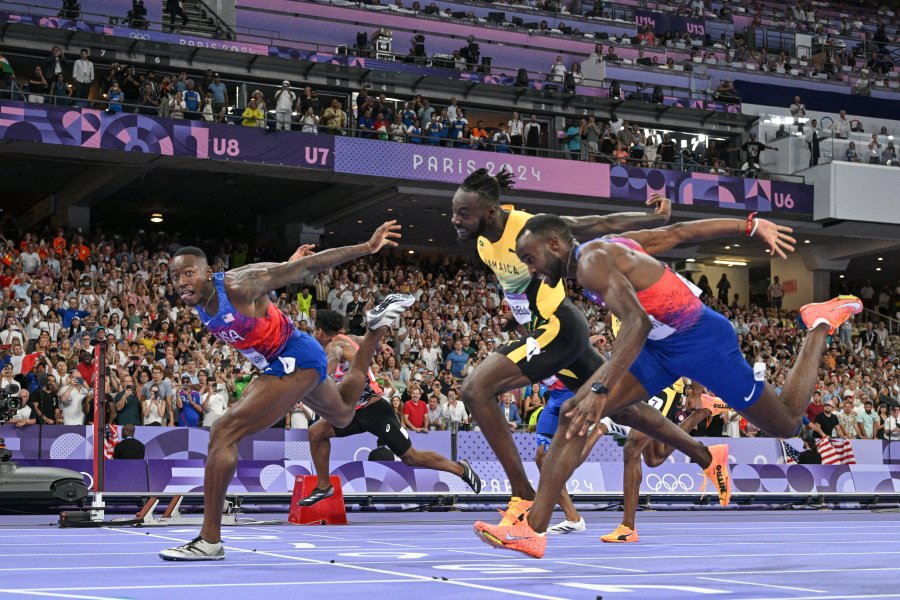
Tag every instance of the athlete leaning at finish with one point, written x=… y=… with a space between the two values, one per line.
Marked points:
x=640 y=446
x=636 y=446
x=235 y=307
x=556 y=338
x=373 y=413
x=667 y=332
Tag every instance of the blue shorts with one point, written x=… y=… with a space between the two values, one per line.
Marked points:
x=302 y=351
x=549 y=417
x=707 y=352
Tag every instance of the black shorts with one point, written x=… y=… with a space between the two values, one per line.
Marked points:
x=378 y=419
x=560 y=347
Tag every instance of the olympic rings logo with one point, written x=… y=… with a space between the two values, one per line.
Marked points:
x=669 y=482
x=139 y=36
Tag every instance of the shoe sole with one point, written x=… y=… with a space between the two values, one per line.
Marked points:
x=405 y=303
x=478 y=485
x=606 y=541
x=199 y=559
x=847 y=301
x=492 y=541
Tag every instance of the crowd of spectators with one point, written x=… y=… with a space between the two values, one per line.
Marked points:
x=65 y=291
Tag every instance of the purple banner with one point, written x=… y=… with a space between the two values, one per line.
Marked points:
x=424 y=162
x=190 y=41
x=434 y=163
x=90 y=128
x=662 y=22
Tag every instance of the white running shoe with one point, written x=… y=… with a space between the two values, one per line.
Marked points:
x=386 y=313
x=568 y=527
x=196 y=549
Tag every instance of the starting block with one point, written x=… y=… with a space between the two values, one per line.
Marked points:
x=330 y=511
x=173 y=516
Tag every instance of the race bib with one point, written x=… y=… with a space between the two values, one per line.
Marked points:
x=518 y=304
x=660 y=331
x=258 y=360
x=694 y=289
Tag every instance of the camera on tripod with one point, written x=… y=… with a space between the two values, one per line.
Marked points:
x=10 y=401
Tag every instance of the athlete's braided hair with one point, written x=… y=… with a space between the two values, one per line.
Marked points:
x=487 y=186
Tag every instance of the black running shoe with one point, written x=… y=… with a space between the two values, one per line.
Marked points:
x=386 y=313
x=470 y=476
x=317 y=495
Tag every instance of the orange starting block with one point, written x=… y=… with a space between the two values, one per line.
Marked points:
x=330 y=511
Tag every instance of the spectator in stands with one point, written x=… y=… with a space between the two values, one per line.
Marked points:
x=284 y=105
x=177 y=106
x=798 y=110
x=781 y=133
x=812 y=142
x=753 y=151
x=131 y=88
x=83 y=75
x=510 y=411
x=176 y=8
x=55 y=63
x=889 y=154
x=775 y=293
x=214 y=400
x=572 y=141
x=841 y=126
x=335 y=118
x=263 y=108
x=435 y=415
x=454 y=411
x=148 y=105
x=828 y=422
x=558 y=70
x=60 y=91
x=848 y=420
x=892 y=424
x=219 y=93
x=516 y=131
x=866 y=421
x=252 y=115
x=128 y=406
x=114 y=97
x=873 y=151
x=415 y=412
x=726 y=92
x=308 y=100
x=532 y=133
x=851 y=155
x=37 y=86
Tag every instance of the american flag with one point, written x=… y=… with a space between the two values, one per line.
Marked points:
x=836 y=451
x=791 y=456
x=110 y=441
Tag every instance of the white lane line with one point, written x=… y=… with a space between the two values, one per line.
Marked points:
x=841 y=597
x=491 y=554
x=217 y=585
x=411 y=576
x=766 y=585
x=57 y=595
x=578 y=564
x=183 y=565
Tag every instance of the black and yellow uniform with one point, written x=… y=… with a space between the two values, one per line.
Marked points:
x=557 y=342
x=664 y=401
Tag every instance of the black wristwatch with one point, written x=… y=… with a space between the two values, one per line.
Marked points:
x=599 y=388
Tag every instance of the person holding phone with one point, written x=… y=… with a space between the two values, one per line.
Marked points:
x=154 y=407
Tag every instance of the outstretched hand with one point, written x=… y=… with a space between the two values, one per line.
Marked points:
x=775 y=237
x=663 y=206
x=302 y=251
x=385 y=236
x=587 y=411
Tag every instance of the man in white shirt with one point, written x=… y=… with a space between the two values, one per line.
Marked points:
x=892 y=424
x=558 y=70
x=798 y=109
x=83 y=74
x=841 y=126
x=284 y=104
x=454 y=411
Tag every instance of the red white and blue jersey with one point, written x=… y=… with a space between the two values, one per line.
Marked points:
x=261 y=340
x=672 y=302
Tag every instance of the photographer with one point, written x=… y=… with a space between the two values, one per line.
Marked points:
x=471 y=52
x=188 y=403
x=155 y=408
x=214 y=400
x=128 y=407
x=25 y=415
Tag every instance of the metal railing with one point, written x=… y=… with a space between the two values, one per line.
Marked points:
x=684 y=161
x=892 y=324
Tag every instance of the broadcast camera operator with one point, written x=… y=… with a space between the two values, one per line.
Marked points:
x=471 y=52
x=137 y=16
x=24 y=415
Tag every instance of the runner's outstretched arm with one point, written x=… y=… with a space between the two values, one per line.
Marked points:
x=597 y=226
x=663 y=238
x=254 y=283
